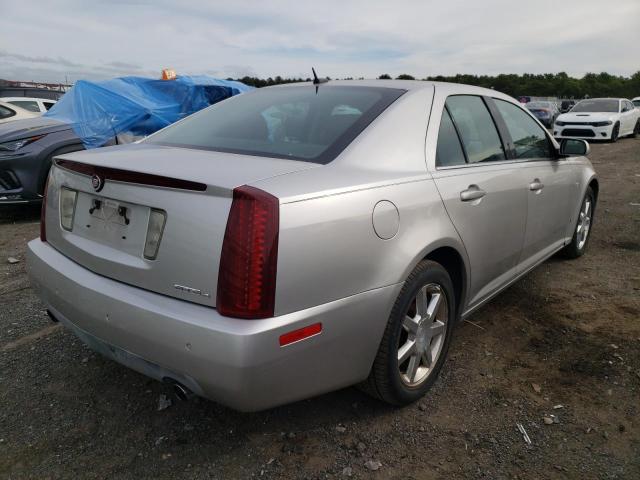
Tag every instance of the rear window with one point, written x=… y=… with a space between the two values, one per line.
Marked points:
x=298 y=123
x=27 y=105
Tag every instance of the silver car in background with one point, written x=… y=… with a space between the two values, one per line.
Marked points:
x=303 y=238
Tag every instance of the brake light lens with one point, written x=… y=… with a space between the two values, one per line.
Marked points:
x=248 y=263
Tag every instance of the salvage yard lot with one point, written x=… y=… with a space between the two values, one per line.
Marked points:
x=564 y=341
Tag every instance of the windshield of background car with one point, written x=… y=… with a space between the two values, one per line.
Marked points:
x=636 y=103
x=297 y=122
x=597 y=105
x=531 y=105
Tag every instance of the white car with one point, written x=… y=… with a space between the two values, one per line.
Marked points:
x=36 y=105
x=9 y=112
x=599 y=119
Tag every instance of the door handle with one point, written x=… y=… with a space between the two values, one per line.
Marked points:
x=536 y=185
x=472 y=193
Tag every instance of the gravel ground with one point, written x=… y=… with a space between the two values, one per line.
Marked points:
x=564 y=341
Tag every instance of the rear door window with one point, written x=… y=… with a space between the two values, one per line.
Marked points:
x=449 y=150
x=528 y=137
x=477 y=130
x=27 y=105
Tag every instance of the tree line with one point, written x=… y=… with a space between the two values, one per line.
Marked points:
x=558 y=85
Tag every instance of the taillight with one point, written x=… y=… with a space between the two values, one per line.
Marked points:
x=43 y=212
x=247 y=275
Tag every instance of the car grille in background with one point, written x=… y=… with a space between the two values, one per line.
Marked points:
x=578 y=132
x=8 y=180
x=576 y=123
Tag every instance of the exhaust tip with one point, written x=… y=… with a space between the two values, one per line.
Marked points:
x=179 y=390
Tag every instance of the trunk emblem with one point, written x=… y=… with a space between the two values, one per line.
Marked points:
x=97 y=182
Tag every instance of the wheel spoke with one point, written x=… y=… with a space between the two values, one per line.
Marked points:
x=437 y=328
x=427 y=358
x=587 y=207
x=434 y=306
x=410 y=324
x=421 y=302
x=412 y=369
x=406 y=351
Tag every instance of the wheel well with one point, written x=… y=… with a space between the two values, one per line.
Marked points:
x=453 y=263
x=595 y=187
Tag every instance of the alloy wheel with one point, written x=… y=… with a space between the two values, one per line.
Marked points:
x=424 y=329
x=584 y=223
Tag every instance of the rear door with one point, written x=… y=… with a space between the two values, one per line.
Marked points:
x=550 y=183
x=483 y=193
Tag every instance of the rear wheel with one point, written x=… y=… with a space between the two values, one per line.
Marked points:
x=582 y=231
x=416 y=339
x=636 y=130
x=615 y=133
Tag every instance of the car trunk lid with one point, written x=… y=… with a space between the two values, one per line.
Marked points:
x=120 y=192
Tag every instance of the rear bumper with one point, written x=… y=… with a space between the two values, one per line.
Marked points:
x=238 y=363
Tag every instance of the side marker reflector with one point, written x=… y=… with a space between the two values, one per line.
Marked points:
x=300 y=334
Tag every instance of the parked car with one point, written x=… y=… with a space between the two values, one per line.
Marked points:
x=302 y=238
x=9 y=113
x=37 y=105
x=566 y=105
x=636 y=102
x=546 y=112
x=599 y=119
x=93 y=115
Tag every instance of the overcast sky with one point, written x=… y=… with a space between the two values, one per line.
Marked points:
x=48 y=40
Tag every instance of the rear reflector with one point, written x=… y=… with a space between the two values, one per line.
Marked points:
x=247 y=275
x=300 y=334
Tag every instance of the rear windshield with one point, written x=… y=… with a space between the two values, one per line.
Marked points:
x=297 y=122
x=596 y=105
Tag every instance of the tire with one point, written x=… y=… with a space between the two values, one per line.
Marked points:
x=615 y=133
x=636 y=130
x=580 y=240
x=389 y=380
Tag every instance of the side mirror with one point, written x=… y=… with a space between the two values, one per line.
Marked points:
x=570 y=147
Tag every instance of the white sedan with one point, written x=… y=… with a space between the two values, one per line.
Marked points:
x=9 y=112
x=599 y=119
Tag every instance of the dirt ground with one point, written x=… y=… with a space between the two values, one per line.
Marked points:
x=564 y=341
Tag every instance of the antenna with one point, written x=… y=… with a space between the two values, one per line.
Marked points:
x=316 y=80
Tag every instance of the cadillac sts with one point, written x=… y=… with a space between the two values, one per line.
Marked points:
x=299 y=239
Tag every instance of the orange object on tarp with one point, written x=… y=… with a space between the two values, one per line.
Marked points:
x=168 y=74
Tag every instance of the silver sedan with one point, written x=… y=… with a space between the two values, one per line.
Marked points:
x=299 y=239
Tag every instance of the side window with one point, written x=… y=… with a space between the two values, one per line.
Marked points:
x=529 y=139
x=6 y=112
x=449 y=151
x=48 y=105
x=27 y=105
x=477 y=130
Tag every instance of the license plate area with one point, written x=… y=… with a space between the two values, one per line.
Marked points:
x=114 y=223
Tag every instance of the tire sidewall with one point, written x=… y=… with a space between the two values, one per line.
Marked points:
x=434 y=274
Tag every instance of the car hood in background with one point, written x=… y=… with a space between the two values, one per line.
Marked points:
x=28 y=127
x=587 y=117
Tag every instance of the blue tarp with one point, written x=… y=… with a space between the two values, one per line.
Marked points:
x=98 y=111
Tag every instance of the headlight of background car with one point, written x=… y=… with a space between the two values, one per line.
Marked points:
x=601 y=124
x=560 y=124
x=14 y=145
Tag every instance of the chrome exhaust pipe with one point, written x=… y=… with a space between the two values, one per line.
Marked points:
x=179 y=390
